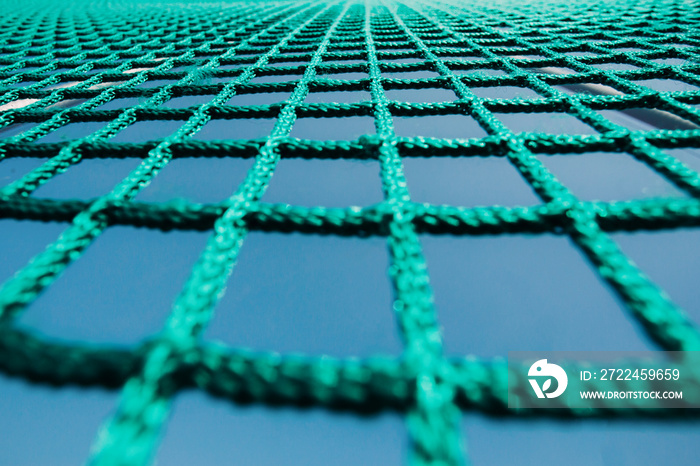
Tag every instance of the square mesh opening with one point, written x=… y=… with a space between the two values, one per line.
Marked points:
x=143 y=131
x=113 y=308
x=505 y=92
x=267 y=98
x=421 y=95
x=467 y=181
x=88 y=179
x=548 y=123
x=205 y=180
x=329 y=183
x=438 y=126
x=347 y=97
x=34 y=238
x=318 y=273
x=251 y=128
x=203 y=430
x=38 y=415
x=71 y=132
x=348 y=128
x=15 y=168
x=670 y=258
x=477 y=289
x=609 y=176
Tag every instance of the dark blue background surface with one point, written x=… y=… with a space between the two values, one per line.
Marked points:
x=313 y=294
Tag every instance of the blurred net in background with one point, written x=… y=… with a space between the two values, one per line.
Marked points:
x=512 y=80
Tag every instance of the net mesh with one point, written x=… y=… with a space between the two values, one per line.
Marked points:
x=59 y=63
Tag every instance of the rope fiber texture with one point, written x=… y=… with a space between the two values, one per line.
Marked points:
x=89 y=53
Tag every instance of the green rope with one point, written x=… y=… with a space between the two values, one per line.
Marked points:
x=111 y=52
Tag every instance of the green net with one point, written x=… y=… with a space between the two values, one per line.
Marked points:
x=95 y=52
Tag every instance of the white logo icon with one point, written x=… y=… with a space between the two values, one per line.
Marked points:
x=542 y=368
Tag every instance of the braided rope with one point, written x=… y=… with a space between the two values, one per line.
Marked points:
x=165 y=53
